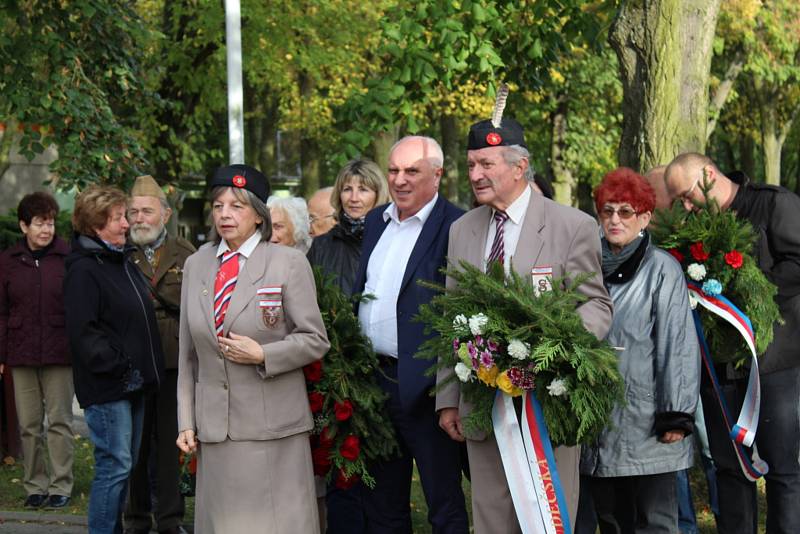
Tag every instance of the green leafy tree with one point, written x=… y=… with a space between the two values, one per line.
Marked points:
x=71 y=76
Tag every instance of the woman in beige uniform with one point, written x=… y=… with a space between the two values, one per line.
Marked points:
x=249 y=323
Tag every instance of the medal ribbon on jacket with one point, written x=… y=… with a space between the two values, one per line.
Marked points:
x=224 y=284
x=530 y=466
x=743 y=432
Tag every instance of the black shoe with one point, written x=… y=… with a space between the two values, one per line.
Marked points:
x=35 y=500
x=57 y=501
x=133 y=530
x=174 y=530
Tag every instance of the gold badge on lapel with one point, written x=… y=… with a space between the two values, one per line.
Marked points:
x=270 y=302
x=542 y=279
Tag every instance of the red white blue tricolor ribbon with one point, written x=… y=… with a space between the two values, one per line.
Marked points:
x=530 y=466
x=743 y=432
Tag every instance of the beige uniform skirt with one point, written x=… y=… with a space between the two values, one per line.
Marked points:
x=246 y=487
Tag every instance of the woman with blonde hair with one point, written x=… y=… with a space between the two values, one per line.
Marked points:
x=359 y=187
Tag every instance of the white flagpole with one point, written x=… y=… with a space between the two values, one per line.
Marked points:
x=233 y=40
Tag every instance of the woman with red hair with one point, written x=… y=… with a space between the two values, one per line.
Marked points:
x=631 y=468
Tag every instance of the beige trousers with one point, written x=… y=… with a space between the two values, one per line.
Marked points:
x=40 y=391
x=492 y=507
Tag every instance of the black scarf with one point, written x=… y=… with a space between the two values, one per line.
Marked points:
x=619 y=268
x=351 y=226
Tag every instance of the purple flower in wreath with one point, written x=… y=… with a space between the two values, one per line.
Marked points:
x=492 y=346
x=521 y=378
x=456 y=344
x=486 y=359
x=472 y=350
x=712 y=287
x=478 y=341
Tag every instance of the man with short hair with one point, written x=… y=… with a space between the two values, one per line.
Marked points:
x=160 y=257
x=529 y=233
x=321 y=215
x=405 y=242
x=775 y=214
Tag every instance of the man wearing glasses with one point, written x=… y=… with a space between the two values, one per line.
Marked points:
x=775 y=214
x=321 y=216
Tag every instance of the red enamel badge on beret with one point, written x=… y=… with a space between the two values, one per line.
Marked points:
x=494 y=138
x=239 y=181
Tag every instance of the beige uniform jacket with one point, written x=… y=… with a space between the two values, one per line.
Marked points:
x=220 y=399
x=567 y=241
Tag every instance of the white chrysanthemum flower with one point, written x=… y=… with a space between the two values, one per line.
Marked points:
x=463 y=372
x=519 y=350
x=696 y=271
x=476 y=324
x=557 y=387
x=460 y=323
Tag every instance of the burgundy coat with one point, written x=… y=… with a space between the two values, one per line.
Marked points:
x=32 y=331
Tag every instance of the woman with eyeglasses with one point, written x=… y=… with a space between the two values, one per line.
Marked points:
x=631 y=468
x=33 y=344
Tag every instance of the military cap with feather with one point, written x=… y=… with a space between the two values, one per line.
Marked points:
x=496 y=131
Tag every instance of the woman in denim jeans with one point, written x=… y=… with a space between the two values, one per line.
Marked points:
x=115 y=346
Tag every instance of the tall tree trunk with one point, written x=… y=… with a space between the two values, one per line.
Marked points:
x=664 y=52
x=724 y=88
x=7 y=133
x=452 y=150
x=563 y=180
x=747 y=158
x=309 y=148
x=774 y=130
x=381 y=145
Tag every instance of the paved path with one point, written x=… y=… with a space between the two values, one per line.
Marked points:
x=40 y=522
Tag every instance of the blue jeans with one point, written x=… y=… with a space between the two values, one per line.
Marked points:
x=115 y=429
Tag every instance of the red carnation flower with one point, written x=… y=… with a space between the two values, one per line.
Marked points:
x=316 y=400
x=699 y=253
x=326 y=438
x=734 y=258
x=675 y=253
x=350 y=448
x=313 y=371
x=321 y=458
x=344 y=482
x=343 y=410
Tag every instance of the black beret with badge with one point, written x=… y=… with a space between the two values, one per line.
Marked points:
x=243 y=177
x=496 y=131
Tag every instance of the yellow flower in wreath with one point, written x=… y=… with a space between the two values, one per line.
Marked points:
x=488 y=375
x=505 y=385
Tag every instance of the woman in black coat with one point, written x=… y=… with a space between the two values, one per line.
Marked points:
x=359 y=187
x=115 y=346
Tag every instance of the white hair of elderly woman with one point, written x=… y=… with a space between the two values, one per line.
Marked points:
x=297 y=212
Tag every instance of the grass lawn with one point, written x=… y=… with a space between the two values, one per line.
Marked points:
x=12 y=494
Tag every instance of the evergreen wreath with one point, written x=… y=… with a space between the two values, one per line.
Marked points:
x=351 y=428
x=715 y=248
x=495 y=332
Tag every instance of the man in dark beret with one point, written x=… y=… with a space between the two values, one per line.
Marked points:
x=546 y=241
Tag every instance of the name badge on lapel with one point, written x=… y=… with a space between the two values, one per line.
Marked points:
x=270 y=302
x=542 y=279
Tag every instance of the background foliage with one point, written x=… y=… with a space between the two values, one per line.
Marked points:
x=125 y=87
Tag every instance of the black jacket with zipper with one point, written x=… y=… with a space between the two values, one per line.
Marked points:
x=775 y=215
x=112 y=329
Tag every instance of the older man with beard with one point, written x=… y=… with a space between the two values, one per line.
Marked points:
x=160 y=257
